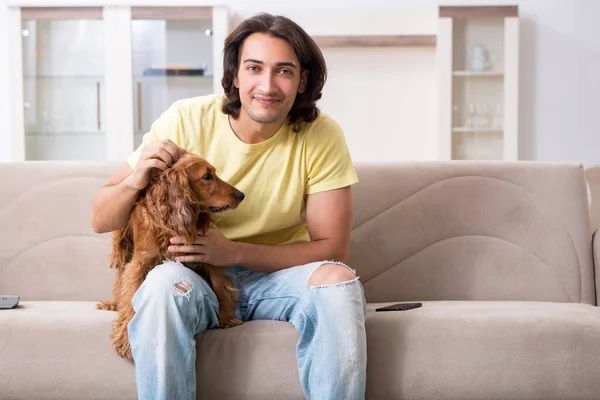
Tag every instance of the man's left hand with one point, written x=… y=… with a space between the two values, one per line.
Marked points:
x=213 y=248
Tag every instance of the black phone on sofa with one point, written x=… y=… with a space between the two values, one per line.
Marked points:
x=400 y=307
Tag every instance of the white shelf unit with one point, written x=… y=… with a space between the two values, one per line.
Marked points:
x=478 y=63
x=88 y=105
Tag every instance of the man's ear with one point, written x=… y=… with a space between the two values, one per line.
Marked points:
x=303 y=81
x=236 y=83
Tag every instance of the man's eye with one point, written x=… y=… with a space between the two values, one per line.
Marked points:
x=286 y=71
x=207 y=177
x=252 y=68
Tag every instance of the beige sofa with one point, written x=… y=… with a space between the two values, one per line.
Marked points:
x=499 y=253
x=593 y=178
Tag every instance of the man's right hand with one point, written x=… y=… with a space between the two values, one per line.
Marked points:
x=160 y=154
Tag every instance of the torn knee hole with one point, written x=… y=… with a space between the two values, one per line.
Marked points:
x=183 y=288
x=331 y=274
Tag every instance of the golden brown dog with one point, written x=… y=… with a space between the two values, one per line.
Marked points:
x=176 y=202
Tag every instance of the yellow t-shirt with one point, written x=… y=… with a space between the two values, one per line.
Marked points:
x=275 y=175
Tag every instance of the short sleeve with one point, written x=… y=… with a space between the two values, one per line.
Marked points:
x=328 y=161
x=167 y=126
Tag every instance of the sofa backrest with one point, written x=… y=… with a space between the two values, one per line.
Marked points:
x=48 y=250
x=471 y=230
x=421 y=231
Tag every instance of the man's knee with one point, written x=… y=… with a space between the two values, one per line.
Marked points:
x=331 y=274
x=174 y=279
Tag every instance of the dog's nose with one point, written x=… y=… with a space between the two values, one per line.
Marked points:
x=240 y=196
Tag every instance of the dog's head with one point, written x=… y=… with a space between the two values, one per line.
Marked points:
x=212 y=193
x=182 y=196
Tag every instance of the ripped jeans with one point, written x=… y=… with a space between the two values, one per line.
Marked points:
x=174 y=304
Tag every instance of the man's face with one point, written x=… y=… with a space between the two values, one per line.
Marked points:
x=268 y=79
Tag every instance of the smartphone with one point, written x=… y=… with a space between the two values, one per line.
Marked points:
x=400 y=307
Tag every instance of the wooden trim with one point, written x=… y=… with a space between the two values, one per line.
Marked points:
x=479 y=12
x=171 y=13
x=376 y=41
x=60 y=13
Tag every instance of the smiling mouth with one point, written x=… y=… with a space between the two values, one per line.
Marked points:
x=266 y=101
x=219 y=209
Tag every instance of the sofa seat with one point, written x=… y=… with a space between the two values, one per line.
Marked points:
x=485 y=350
x=443 y=350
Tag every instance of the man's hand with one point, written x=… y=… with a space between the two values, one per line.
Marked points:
x=160 y=154
x=213 y=248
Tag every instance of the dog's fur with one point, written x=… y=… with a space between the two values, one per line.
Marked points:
x=177 y=202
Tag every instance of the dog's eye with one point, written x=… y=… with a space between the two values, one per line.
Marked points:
x=207 y=177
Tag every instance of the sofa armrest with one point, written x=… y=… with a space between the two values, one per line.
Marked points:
x=596 y=249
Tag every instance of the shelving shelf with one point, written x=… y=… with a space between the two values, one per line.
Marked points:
x=467 y=129
x=48 y=134
x=498 y=74
x=90 y=77
x=101 y=78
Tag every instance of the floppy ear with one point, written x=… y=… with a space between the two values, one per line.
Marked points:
x=174 y=204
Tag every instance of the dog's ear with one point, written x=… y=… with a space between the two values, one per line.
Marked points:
x=176 y=209
x=122 y=247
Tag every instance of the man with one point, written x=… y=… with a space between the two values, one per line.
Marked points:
x=267 y=138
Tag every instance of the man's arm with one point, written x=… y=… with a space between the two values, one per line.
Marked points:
x=329 y=219
x=112 y=204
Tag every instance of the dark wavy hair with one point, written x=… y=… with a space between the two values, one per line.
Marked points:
x=308 y=53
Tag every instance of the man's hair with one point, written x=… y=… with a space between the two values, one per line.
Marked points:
x=308 y=53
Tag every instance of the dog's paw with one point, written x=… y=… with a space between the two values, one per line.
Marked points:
x=229 y=323
x=106 y=305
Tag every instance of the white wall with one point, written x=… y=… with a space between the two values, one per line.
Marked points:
x=559 y=77
x=559 y=73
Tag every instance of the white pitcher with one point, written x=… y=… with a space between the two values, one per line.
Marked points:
x=478 y=58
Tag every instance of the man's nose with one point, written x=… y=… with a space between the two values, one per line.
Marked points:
x=267 y=84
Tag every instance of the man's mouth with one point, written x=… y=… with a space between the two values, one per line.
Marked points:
x=219 y=209
x=268 y=101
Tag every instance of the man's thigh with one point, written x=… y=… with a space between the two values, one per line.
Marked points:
x=277 y=295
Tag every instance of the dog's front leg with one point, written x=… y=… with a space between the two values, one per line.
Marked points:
x=221 y=285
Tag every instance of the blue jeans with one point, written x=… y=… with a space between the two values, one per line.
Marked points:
x=174 y=304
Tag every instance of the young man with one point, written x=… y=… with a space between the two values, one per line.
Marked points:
x=266 y=137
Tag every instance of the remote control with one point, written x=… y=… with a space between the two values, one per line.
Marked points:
x=9 y=301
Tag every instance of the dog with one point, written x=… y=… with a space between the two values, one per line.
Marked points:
x=177 y=202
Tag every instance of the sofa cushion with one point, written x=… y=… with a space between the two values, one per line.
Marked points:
x=485 y=350
x=443 y=350
x=48 y=249
x=61 y=350
x=473 y=230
